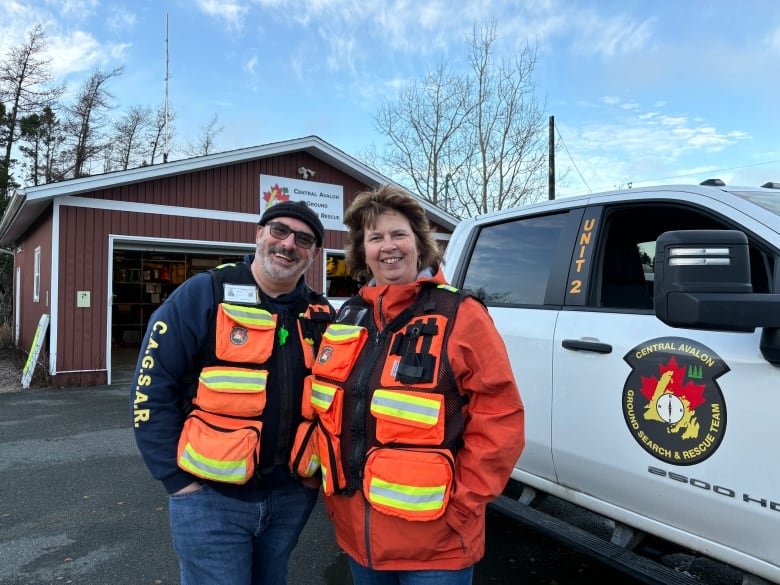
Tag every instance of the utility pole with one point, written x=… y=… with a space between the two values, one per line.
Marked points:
x=551 y=161
x=165 y=122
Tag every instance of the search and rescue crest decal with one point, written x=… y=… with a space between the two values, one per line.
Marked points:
x=238 y=335
x=672 y=403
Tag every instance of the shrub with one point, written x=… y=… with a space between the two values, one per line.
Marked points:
x=6 y=336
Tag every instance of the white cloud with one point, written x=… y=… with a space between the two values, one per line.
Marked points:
x=773 y=41
x=250 y=65
x=120 y=20
x=676 y=121
x=15 y=23
x=608 y=37
x=636 y=145
x=76 y=52
x=341 y=57
x=231 y=12
x=77 y=9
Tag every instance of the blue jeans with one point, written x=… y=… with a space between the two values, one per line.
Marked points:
x=227 y=541
x=364 y=576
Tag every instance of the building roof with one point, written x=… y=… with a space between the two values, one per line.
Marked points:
x=29 y=203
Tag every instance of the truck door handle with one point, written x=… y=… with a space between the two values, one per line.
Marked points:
x=579 y=345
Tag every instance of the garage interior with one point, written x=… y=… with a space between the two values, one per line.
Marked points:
x=142 y=280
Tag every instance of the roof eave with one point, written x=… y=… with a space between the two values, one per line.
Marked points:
x=311 y=144
x=9 y=233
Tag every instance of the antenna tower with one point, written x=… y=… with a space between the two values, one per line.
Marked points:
x=165 y=122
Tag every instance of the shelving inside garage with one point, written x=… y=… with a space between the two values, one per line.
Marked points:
x=143 y=280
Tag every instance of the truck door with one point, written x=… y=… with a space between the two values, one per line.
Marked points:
x=659 y=426
x=518 y=268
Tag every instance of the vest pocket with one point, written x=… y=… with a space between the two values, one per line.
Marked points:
x=415 y=418
x=340 y=347
x=325 y=401
x=244 y=334
x=411 y=484
x=305 y=454
x=219 y=448
x=232 y=391
x=333 y=479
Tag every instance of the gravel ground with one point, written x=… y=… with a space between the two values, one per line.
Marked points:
x=11 y=366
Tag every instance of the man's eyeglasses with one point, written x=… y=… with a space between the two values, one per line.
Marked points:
x=280 y=231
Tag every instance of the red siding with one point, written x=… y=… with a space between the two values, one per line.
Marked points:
x=30 y=312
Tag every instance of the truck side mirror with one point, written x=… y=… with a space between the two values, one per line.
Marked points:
x=702 y=281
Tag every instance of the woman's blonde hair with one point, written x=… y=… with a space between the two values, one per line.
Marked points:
x=363 y=213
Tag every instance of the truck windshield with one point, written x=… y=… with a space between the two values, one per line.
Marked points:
x=769 y=201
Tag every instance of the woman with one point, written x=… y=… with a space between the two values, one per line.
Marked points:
x=419 y=417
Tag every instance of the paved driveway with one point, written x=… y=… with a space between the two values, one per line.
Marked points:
x=77 y=506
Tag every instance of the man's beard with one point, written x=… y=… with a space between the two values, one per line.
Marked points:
x=278 y=271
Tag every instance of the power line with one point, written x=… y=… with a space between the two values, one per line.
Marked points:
x=566 y=148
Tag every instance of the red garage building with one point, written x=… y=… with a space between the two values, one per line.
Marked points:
x=98 y=254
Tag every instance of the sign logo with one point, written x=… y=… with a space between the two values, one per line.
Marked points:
x=238 y=335
x=276 y=194
x=325 y=354
x=672 y=405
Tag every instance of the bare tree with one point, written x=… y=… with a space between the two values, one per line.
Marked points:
x=129 y=148
x=156 y=135
x=205 y=143
x=24 y=85
x=86 y=120
x=425 y=130
x=469 y=143
x=507 y=130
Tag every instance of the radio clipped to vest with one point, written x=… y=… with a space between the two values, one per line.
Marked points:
x=311 y=325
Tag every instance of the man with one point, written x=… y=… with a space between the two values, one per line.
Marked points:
x=217 y=399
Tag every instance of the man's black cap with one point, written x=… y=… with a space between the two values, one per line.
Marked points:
x=298 y=210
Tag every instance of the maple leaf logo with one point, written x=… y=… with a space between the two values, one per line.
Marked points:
x=693 y=393
x=275 y=194
x=671 y=402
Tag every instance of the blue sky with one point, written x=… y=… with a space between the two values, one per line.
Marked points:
x=642 y=92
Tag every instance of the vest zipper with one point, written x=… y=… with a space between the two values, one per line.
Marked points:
x=285 y=399
x=358 y=419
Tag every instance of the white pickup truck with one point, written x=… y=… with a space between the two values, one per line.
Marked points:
x=643 y=326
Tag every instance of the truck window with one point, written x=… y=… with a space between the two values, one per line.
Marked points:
x=625 y=278
x=512 y=261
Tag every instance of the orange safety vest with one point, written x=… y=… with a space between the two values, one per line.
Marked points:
x=220 y=439
x=384 y=411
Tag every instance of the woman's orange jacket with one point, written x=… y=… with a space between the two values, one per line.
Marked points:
x=493 y=439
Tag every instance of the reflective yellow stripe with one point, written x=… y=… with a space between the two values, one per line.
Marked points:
x=249 y=316
x=202 y=466
x=313 y=466
x=325 y=477
x=406 y=497
x=337 y=332
x=235 y=380
x=322 y=395
x=447 y=287
x=405 y=406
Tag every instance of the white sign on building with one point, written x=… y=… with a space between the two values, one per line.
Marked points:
x=324 y=199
